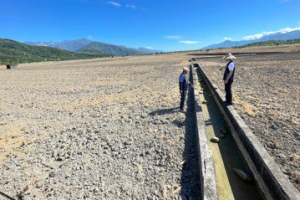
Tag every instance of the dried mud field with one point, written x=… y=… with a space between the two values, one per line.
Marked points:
x=266 y=94
x=110 y=128
x=97 y=129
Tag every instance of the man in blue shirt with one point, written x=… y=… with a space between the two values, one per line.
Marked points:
x=183 y=86
x=228 y=77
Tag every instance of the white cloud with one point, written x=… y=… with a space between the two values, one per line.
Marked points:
x=114 y=4
x=188 y=42
x=131 y=6
x=150 y=48
x=259 y=35
x=172 y=37
x=227 y=38
x=90 y=37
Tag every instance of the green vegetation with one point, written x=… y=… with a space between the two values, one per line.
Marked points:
x=15 y=52
x=95 y=53
x=271 y=43
x=96 y=47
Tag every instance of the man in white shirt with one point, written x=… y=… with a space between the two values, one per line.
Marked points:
x=228 y=77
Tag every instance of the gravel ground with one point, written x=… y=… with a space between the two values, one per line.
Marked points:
x=266 y=95
x=98 y=129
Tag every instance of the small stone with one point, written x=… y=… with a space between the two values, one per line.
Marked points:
x=243 y=175
x=204 y=102
x=51 y=174
x=59 y=159
x=215 y=139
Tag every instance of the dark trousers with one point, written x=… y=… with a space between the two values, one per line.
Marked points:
x=182 y=100
x=228 y=92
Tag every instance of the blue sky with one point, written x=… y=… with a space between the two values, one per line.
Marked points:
x=165 y=25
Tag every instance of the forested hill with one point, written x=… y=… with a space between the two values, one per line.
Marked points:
x=109 y=48
x=18 y=53
x=271 y=43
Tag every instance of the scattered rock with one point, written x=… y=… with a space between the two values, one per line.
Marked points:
x=59 y=159
x=243 y=175
x=215 y=139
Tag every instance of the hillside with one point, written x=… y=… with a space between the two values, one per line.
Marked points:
x=277 y=36
x=109 y=48
x=69 y=45
x=19 y=52
x=82 y=45
x=271 y=43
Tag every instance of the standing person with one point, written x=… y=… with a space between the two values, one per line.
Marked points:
x=183 y=86
x=228 y=77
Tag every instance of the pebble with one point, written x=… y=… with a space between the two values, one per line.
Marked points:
x=215 y=139
x=243 y=175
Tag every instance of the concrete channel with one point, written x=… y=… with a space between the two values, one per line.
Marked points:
x=239 y=149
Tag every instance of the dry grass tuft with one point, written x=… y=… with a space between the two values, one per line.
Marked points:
x=141 y=175
x=297 y=175
x=294 y=157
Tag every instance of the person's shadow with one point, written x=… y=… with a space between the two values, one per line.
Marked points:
x=164 y=111
x=190 y=177
x=5 y=196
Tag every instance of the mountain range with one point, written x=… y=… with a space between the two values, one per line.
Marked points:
x=85 y=45
x=16 y=52
x=277 y=36
x=109 y=48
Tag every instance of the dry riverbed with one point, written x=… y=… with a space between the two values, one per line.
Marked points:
x=110 y=128
x=97 y=129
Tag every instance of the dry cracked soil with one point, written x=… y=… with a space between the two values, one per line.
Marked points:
x=97 y=129
x=110 y=128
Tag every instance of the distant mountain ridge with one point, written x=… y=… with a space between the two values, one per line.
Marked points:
x=277 y=36
x=69 y=45
x=85 y=45
x=16 y=52
x=109 y=48
x=272 y=43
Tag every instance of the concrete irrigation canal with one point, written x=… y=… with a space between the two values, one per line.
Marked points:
x=233 y=164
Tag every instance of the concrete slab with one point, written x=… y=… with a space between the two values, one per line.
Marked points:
x=207 y=168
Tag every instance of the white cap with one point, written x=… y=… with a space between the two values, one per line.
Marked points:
x=185 y=69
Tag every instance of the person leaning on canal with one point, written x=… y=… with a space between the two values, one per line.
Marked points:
x=184 y=86
x=228 y=77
